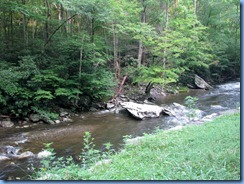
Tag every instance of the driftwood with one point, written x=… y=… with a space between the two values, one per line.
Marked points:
x=200 y=83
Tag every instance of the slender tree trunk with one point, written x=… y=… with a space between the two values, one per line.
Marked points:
x=195 y=11
x=3 y=29
x=81 y=56
x=116 y=48
x=33 y=32
x=80 y=67
x=11 y=29
x=60 y=15
x=140 y=47
x=166 y=28
x=237 y=25
x=92 y=31
x=24 y=23
x=48 y=17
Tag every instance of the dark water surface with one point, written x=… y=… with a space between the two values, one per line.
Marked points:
x=105 y=127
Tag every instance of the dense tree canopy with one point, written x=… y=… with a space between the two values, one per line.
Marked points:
x=70 y=53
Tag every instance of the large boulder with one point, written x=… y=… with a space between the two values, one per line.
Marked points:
x=142 y=111
x=200 y=83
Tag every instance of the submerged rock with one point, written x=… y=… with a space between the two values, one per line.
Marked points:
x=9 y=150
x=26 y=154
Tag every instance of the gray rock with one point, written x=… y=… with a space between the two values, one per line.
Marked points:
x=200 y=83
x=35 y=118
x=9 y=150
x=109 y=105
x=26 y=154
x=67 y=120
x=93 y=109
x=64 y=114
x=21 y=141
x=44 y=154
x=142 y=111
x=57 y=121
x=4 y=158
x=6 y=123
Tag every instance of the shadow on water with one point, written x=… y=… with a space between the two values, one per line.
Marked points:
x=106 y=127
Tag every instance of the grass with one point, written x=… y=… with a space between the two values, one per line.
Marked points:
x=207 y=152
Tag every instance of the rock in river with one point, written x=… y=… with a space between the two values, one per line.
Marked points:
x=44 y=154
x=3 y=158
x=142 y=111
x=6 y=123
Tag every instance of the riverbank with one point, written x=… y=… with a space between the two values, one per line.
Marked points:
x=207 y=152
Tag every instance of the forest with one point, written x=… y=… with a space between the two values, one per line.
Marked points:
x=73 y=53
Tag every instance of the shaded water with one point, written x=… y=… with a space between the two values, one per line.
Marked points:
x=106 y=127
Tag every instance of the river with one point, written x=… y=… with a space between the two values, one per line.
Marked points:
x=105 y=127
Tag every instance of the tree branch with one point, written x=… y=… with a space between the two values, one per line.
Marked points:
x=48 y=40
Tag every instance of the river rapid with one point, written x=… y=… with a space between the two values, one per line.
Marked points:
x=104 y=127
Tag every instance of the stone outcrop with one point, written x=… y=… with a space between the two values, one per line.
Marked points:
x=142 y=111
x=200 y=83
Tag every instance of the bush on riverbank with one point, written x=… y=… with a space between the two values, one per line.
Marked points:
x=207 y=152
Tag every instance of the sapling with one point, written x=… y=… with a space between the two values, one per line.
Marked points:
x=191 y=103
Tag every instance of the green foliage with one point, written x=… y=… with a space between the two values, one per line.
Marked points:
x=158 y=75
x=45 y=114
x=191 y=103
x=77 y=59
x=89 y=154
x=97 y=83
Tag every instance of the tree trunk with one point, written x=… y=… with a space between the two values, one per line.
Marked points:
x=166 y=28
x=48 y=17
x=116 y=48
x=148 y=88
x=11 y=29
x=33 y=33
x=120 y=87
x=140 y=47
x=92 y=31
x=195 y=11
x=24 y=23
x=3 y=29
x=80 y=67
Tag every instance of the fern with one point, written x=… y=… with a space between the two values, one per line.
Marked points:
x=42 y=94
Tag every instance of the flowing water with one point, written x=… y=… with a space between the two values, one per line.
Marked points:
x=105 y=127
